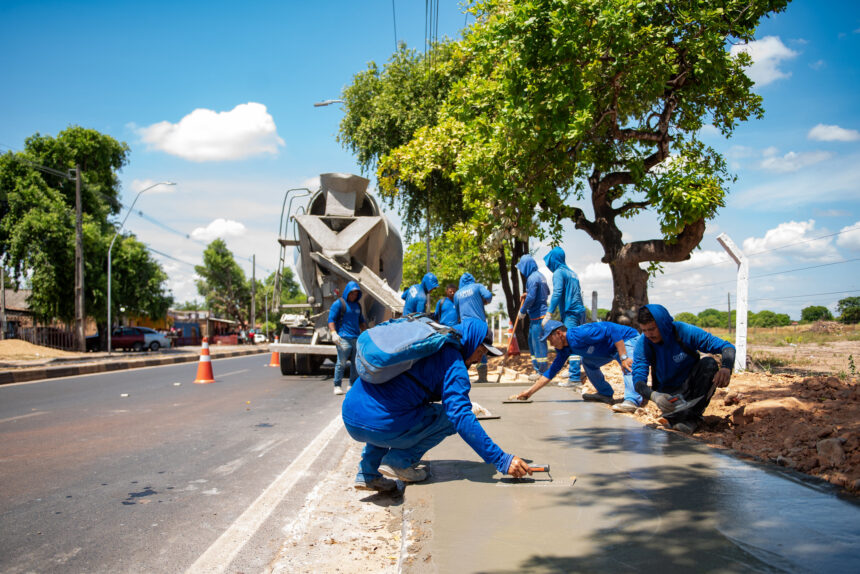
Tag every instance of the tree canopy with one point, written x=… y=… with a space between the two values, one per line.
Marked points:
x=598 y=101
x=37 y=202
x=815 y=313
x=222 y=283
x=849 y=310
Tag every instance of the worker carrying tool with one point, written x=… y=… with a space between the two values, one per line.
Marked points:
x=567 y=298
x=416 y=297
x=679 y=377
x=597 y=344
x=402 y=418
x=533 y=304
x=469 y=302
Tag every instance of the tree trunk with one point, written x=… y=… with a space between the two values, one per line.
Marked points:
x=630 y=291
x=510 y=280
x=103 y=330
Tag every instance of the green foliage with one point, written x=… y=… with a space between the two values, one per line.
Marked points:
x=688 y=318
x=36 y=204
x=768 y=319
x=815 y=313
x=712 y=318
x=222 y=283
x=849 y=310
x=452 y=254
x=191 y=306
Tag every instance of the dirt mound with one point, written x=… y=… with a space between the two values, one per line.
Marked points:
x=829 y=327
x=18 y=350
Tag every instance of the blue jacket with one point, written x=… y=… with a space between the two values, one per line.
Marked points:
x=670 y=363
x=446 y=312
x=416 y=296
x=537 y=289
x=470 y=298
x=566 y=295
x=399 y=404
x=346 y=315
x=594 y=342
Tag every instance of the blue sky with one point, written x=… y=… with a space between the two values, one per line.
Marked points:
x=218 y=98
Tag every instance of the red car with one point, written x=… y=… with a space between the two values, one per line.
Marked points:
x=138 y=339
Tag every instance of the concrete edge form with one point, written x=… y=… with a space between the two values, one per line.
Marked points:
x=35 y=374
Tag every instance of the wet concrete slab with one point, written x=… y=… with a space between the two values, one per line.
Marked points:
x=643 y=500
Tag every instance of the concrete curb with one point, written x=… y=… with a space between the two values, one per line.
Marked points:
x=37 y=373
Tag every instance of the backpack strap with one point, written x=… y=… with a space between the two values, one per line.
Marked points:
x=420 y=384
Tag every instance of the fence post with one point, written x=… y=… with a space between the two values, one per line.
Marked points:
x=594 y=306
x=742 y=300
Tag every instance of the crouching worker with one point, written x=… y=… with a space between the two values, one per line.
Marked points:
x=682 y=383
x=403 y=418
x=597 y=344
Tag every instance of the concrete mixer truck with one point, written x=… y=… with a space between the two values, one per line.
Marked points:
x=338 y=235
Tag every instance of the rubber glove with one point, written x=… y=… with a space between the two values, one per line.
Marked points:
x=546 y=319
x=335 y=338
x=662 y=401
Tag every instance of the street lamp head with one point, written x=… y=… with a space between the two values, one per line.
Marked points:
x=327 y=103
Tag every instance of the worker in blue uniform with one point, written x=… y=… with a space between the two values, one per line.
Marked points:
x=345 y=324
x=533 y=304
x=469 y=301
x=567 y=298
x=446 y=312
x=416 y=297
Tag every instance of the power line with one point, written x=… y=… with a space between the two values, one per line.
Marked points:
x=783 y=272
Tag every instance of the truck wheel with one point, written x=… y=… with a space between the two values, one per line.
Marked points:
x=288 y=363
x=303 y=365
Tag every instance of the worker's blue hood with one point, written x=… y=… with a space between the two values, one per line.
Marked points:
x=350 y=287
x=472 y=333
x=466 y=279
x=555 y=259
x=527 y=265
x=429 y=282
x=664 y=321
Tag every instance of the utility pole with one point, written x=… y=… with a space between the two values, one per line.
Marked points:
x=2 y=301
x=253 y=292
x=742 y=299
x=80 y=312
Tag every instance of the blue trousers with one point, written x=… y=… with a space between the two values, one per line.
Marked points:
x=573 y=364
x=404 y=448
x=345 y=352
x=537 y=347
x=595 y=376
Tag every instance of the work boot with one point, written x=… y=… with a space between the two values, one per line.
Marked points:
x=482 y=374
x=597 y=398
x=533 y=377
x=338 y=390
x=409 y=474
x=625 y=407
x=379 y=484
x=686 y=427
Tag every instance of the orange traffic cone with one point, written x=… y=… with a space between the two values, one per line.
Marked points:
x=275 y=361
x=204 y=366
x=513 y=346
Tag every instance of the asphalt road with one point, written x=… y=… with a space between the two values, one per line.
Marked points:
x=94 y=481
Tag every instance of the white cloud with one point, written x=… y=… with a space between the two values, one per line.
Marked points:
x=792 y=161
x=767 y=54
x=792 y=238
x=818 y=65
x=831 y=213
x=595 y=272
x=138 y=185
x=205 y=135
x=219 y=228
x=850 y=238
x=825 y=133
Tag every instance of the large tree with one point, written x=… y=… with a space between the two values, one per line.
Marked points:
x=37 y=228
x=223 y=284
x=599 y=101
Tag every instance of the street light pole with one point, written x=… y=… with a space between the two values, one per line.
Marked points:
x=110 y=249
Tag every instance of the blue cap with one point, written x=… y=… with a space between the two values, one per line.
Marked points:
x=547 y=329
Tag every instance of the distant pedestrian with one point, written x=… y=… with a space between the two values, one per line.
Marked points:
x=469 y=302
x=345 y=323
x=669 y=349
x=567 y=298
x=417 y=296
x=446 y=313
x=533 y=304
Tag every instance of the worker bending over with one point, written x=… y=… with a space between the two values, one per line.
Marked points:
x=533 y=303
x=403 y=418
x=670 y=349
x=417 y=296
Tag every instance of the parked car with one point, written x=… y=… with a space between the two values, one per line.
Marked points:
x=138 y=339
x=259 y=338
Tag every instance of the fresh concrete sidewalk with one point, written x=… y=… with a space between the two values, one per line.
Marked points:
x=643 y=500
x=88 y=363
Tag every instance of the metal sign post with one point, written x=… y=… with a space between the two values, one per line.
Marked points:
x=742 y=300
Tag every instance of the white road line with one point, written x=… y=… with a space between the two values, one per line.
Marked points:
x=233 y=373
x=23 y=416
x=223 y=551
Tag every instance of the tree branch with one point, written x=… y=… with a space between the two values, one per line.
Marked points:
x=631 y=205
x=662 y=250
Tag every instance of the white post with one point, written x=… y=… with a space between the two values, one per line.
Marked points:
x=742 y=296
x=594 y=306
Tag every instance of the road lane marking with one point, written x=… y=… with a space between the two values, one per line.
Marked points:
x=223 y=551
x=234 y=373
x=19 y=417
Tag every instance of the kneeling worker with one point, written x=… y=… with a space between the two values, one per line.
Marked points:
x=597 y=344
x=670 y=349
x=402 y=419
